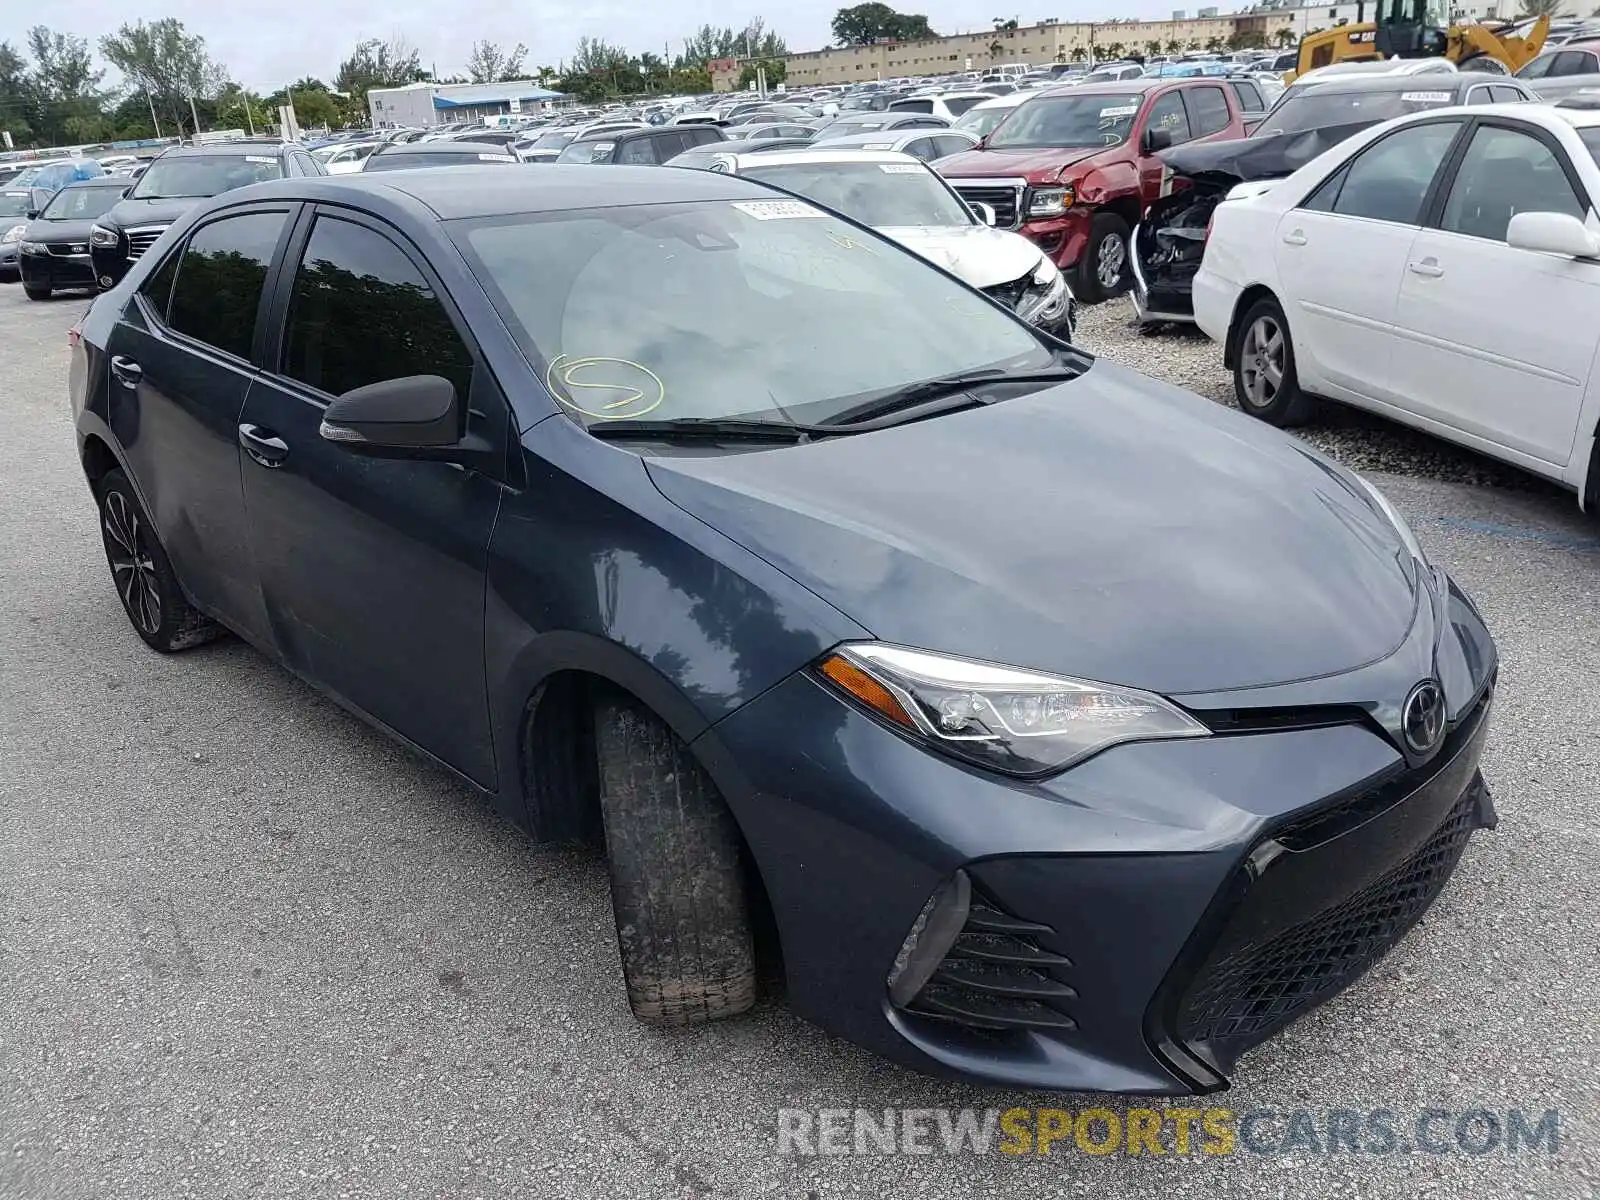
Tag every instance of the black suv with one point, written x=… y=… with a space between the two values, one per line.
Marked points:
x=639 y=147
x=174 y=183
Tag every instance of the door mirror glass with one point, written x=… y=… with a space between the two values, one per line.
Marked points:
x=986 y=213
x=1156 y=140
x=415 y=412
x=33 y=214
x=1552 y=233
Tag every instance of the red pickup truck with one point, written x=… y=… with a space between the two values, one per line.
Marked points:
x=1074 y=168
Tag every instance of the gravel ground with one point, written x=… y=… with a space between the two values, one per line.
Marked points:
x=250 y=948
x=1184 y=356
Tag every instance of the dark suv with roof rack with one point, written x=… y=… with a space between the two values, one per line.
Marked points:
x=174 y=183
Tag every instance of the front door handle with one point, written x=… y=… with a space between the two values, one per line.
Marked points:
x=266 y=447
x=127 y=372
x=1428 y=268
x=1294 y=237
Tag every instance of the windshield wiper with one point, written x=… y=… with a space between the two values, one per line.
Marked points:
x=908 y=402
x=715 y=429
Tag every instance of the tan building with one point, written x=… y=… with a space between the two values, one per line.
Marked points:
x=1047 y=42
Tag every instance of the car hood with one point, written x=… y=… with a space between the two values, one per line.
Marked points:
x=1038 y=165
x=134 y=213
x=58 y=231
x=1111 y=528
x=1258 y=156
x=975 y=254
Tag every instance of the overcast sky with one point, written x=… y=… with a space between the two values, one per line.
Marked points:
x=263 y=48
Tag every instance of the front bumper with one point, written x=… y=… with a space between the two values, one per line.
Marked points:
x=9 y=256
x=58 y=270
x=1137 y=922
x=1173 y=302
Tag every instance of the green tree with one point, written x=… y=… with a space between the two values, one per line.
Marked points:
x=379 y=64
x=1214 y=45
x=240 y=108
x=875 y=22
x=1078 y=54
x=18 y=101
x=1247 y=39
x=1285 y=38
x=1003 y=24
x=168 y=63
x=1174 y=46
x=68 y=98
x=489 y=63
x=1541 y=8
x=777 y=71
x=314 y=105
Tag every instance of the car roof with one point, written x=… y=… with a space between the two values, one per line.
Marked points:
x=470 y=191
x=626 y=135
x=98 y=181
x=442 y=146
x=822 y=156
x=1121 y=87
x=1578 y=118
x=239 y=146
x=886 y=135
x=1443 y=82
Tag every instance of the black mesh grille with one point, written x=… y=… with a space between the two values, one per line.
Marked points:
x=1257 y=989
x=997 y=976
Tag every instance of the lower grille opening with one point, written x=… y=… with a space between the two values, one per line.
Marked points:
x=996 y=976
x=1247 y=995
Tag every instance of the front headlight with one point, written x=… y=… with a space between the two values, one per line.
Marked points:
x=14 y=234
x=1050 y=201
x=34 y=248
x=99 y=235
x=1407 y=538
x=1011 y=720
x=1047 y=297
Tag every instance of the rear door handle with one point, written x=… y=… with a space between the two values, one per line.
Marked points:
x=266 y=447
x=127 y=372
x=1294 y=238
x=1428 y=268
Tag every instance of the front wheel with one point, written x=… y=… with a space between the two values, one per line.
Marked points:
x=161 y=614
x=677 y=874
x=1103 y=272
x=1265 y=382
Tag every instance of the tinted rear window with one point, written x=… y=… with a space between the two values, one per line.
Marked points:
x=1315 y=109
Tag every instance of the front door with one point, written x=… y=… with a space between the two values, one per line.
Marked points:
x=372 y=570
x=181 y=361
x=1495 y=343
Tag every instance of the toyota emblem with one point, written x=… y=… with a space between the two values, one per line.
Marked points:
x=1422 y=718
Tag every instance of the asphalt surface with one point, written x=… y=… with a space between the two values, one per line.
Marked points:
x=248 y=947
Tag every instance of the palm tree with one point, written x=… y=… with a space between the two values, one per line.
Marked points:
x=1078 y=54
x=1541 y=8
x=996 y=49
x=1214 y=45
x=1286 y=38
x=1174 y=46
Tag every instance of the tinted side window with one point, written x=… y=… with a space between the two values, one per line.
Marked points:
x=1504 y=93
x=1480 y=95
x=921 y=147
x=158 y=287
x=1505 y=172
x=220 y=279
x=1538 y=68
x=636 y=151
x=1322 y=200
x=1389 y=180
x=1569 y=62
x=360 y=313
x=697 y=137
x=1168 y=114
x=922 y=106
x=960 y=104
x=1249 y=95
x=1208 y=110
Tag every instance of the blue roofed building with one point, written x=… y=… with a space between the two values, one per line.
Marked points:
x=439 y=103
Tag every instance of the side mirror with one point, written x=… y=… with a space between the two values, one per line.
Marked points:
x=415 y=413
x=1552 y=233
x=124 y=193
x=986 y=212
x=1156 y=140
x=33 y=214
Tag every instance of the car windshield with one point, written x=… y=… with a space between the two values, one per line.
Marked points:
x=15 y=204
x=880 y=194
x=1103 y=120
x=979 y=121
x=27 y=175
x=855 y=104
x=588 y=152
x=80 y=203
x=554 y=140
x=204 y=175
x=1591 y=138
x=767 y=308
x=1317 y=109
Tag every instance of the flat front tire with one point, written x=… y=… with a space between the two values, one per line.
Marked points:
x=677 y=874
x=142 y=574
x=1265 y=382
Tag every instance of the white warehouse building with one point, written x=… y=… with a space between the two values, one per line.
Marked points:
x=419 y=104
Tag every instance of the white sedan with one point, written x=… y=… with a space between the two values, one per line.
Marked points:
x=1441 y=269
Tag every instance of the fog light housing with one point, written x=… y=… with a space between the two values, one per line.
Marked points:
x=932 y=934
x=106 y=281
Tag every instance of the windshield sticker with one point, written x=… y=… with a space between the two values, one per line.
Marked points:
x=1122 y=110
x=775 y=210
x=900 y=168
x=497 y=158
x=612 y=389
x=1426 y=97
x=260 y=158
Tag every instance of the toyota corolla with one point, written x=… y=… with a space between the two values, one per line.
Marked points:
x=1066 y=729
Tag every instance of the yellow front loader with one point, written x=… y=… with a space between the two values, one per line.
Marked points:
x=1417 y=29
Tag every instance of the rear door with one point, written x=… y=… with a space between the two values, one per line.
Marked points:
x=372 y=570
x=182 y=357
x=1497 y=341
x=1341 y=253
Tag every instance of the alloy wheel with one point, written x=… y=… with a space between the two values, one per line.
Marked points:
x=1113 y=256
x=132 y=567
x=1261 y=361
